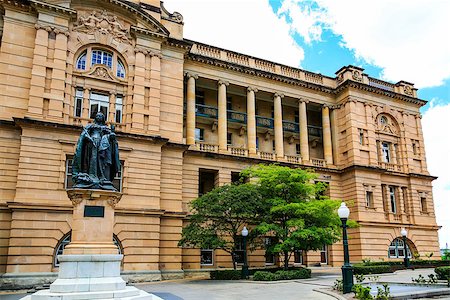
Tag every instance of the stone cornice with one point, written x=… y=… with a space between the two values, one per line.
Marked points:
x=381 y=170
x=365 y=87
x=259 y=73
x=33 y=123
x=51 y=7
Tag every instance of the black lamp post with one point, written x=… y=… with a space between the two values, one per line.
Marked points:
x=404 y=233
x=245 y=266
x=347 y=269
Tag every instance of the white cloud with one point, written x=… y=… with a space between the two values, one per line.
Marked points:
x=249 y=27
x=437 y=144
x=408 y=39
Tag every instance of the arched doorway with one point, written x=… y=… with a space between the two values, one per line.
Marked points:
x=397 y=248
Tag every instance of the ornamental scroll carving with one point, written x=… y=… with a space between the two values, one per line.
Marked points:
x=408 y=90
x=387 y=125
x=103 y=23
x=101 y=72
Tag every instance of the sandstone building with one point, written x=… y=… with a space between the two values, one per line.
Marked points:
x=190 y=116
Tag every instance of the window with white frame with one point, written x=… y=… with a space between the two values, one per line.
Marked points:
x=392 y=199
x=199 y=134
x=119 y=108
x=397 y=249
x=78 y=105
x=98 y=102
x=120 y=69
x=385 y=150
x=324 y=254
x=81 y=61
x=369 y=199
x=101 y=57
x=207 y=257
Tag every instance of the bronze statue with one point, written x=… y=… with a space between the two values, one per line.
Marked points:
x=96 y=161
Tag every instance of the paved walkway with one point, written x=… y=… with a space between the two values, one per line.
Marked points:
x=230 y=290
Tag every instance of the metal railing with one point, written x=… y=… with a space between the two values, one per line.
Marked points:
x=315 y=131
x=236 y=116
x=291 y=126
x=264 y=122
x=206 y=111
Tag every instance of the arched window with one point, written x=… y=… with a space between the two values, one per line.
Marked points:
x=102 y=57
x=66 y=240
x=120 y=69
x=81 y=61
x=397 y=249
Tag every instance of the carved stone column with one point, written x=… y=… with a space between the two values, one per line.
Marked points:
x=112 y=106
x=327 y=144
x=190 y=109
x=222 y=108
x=251 y=120
x=86 y=106
x=278 y=125
x=304 y=144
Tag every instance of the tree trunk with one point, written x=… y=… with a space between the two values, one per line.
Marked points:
x=286 y=260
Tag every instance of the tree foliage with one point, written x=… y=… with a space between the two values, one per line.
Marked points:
x=219 y=216
x=297 y=214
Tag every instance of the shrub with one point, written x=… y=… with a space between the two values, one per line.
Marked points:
x=361 y=269
x=362 y=292
x=282 y=275
x=225 y=275
x=442 y=272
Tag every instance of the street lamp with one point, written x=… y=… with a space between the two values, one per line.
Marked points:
x=347 y=269
x=245 y=266
x=403 y=232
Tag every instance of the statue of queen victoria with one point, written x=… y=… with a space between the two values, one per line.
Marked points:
x=96 y=160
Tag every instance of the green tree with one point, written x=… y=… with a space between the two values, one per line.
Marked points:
x=218 y=217
x=297 y=215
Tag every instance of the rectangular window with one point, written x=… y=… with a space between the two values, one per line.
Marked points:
x=297 y=149
x=235 y=177
x=296 y=117
x=273 y=145
x=423 y=204
x=386 y=152
x=207 y=257
x=200 y=97
x=206 y=181
x=415 y=146
x=269 y=256
x=239 y=252
x=257 y=143
x=117 y=182
x=229 y=103
x=361 y=136
x=119 y=108
x=324 y=254
x=298 y=256
x=229 y=138
x=78 y=105
x=199 y=134
x=272 y=113
x=98 y=102
x=392 y=199
x=369 y=199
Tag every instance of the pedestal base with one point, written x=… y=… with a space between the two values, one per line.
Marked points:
x=85 y=277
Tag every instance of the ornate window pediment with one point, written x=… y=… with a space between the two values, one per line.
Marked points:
x=387 y=124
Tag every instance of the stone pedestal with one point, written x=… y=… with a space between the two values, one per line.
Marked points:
x=90 y=265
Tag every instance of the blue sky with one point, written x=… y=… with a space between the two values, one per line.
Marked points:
x=392 y=40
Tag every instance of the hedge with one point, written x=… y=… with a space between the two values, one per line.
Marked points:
x=225 y=275
x=282 y=275
x=236 y=274
x=362 y=269
x=442 y=272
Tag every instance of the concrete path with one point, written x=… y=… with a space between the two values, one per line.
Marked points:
x=322 y=277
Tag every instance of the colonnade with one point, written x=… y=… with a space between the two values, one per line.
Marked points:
x=251 y=122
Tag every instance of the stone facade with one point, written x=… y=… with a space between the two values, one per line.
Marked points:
x=187 y=116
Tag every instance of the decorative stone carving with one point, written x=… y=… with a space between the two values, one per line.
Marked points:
x=387 y=125
x=104 y=23
x=408 y=90
x=114 y=199
x=356 y=75
x=101 y=72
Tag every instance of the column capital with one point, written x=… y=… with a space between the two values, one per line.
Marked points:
x=191 y=75
x=324 y=105
x=418 y=116
x=112 y=93
x=277 y=94
x=252 y=89
x=221 y=82
x=300 y=100
x=141 y=50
